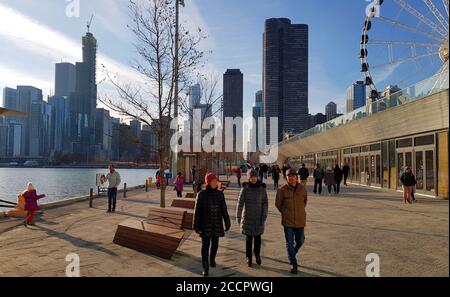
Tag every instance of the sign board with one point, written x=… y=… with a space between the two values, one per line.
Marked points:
x=100 y=181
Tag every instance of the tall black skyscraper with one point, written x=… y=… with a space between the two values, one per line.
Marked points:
x=83 y=101
x=233 y=98
x=233 y=93
x=285 y=75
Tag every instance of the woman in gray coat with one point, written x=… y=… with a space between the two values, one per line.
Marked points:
x=251 y=214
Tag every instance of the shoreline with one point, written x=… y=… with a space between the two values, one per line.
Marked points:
x=12 y=222
x=78 y=167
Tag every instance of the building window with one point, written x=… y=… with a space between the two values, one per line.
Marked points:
x=407 y=142
x=424 y=140
x=356 y=150
x=375 y=147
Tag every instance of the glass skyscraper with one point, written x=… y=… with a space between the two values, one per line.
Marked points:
x=285 y=75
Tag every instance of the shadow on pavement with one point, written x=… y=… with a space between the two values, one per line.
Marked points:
x=78 y=242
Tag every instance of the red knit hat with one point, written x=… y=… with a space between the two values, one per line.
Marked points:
x=209 y=177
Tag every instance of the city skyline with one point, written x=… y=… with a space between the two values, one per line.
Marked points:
x=329 y=77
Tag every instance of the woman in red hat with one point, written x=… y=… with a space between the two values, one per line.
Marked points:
x=210 y=214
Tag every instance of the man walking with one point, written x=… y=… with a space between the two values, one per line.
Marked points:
x=113 y=178
x=291 y=200
x=345 y=171
x=303 y=173
x=318 y=175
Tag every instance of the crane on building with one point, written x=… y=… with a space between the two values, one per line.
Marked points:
x=89 y=23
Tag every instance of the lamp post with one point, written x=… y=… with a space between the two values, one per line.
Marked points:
x=176 y=89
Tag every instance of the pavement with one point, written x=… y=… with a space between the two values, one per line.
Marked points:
x=410 y=240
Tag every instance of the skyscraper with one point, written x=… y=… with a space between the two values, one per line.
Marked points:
x=233 y=98
x=136 y=129
x=26 y=96
x=83 y=101
x=103 y=134
x=40 y=129
x=233 y=93
x=257 y=112
x=9 y=98
x=331 y=111
x=285 y=75
x=60 y=123
x=194 y=96
x=65 y=74
x=356 y=96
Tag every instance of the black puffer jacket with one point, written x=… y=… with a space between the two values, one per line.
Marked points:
x=408 y=179
x=210 y=213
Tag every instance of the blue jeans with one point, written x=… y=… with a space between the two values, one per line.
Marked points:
x=112 y=195
x=291 y=234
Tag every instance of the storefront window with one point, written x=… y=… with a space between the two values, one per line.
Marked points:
x=385 y=164
x=392 y=169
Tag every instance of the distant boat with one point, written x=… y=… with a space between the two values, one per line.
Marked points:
x=31 y=164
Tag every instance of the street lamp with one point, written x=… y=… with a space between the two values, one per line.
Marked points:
x=175 y=103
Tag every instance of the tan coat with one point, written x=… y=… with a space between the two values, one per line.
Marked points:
x=292 y=203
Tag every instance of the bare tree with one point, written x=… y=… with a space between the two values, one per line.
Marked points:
x=151 y=102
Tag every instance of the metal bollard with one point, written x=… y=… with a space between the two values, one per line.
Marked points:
x=91 y=197
x=146 y=185
x=125 y=190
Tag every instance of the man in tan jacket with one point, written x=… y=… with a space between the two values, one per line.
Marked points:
x=291 y=201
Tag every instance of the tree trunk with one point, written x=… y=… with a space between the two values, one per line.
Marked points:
x=162 y=178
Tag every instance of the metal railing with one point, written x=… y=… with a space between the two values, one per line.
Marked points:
x=420 y=90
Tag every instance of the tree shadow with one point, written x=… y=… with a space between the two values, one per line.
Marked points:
x=78 y=242
x=130 y=215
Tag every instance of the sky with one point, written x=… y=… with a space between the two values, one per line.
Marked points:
x=36 y=34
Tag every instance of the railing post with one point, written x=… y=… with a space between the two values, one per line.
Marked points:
x=146 y=185
x=91 y=197
x=125 y=190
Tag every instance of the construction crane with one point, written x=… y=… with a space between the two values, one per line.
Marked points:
x=89 y=23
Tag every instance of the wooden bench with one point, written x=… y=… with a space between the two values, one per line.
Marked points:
x=161 y=234
x=183 y=203
x=225 y=183
x=190 y=195
x=188 y=220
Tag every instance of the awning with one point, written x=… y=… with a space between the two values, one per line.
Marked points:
x=10 y=112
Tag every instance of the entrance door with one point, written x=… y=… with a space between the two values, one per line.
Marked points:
x=424 y=171
x=404 y=159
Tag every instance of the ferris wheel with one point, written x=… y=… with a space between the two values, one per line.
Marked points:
x=403 y=42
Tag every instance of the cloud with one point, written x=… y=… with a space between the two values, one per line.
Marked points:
x=9 y=77
x=22 y=32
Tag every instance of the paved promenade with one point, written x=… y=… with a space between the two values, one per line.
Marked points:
x=411 y=240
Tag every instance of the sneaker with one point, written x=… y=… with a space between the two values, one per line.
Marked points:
x=258 y=260
x=249 y=262
x=294 y=268
x=109 y=210
x=212 y=263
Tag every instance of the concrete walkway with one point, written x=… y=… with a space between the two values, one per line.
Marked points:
x=411 y=240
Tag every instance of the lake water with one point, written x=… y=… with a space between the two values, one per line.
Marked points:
x=61 y=183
